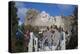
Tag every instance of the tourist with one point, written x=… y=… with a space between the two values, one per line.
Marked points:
x=62 y=38
x=44 y=38
x=49 y=35
x=55 y=37
x=26 y=38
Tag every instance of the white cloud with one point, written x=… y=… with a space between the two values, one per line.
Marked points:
x=21 y=14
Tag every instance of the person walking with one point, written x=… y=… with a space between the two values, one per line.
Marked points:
x=62 y=39
x=49 y=35
x=26 y=39
x=44 y=38
x=55 y=38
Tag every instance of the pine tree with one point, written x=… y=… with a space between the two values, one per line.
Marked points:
x=14 y=24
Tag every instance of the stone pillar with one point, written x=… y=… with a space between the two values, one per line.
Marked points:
x=30 y=46
x=35 y=43
x=62 y=44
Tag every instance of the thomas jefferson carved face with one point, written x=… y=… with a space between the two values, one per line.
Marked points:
x=44 y=16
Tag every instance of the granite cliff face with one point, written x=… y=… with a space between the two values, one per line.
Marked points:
x=43 y=19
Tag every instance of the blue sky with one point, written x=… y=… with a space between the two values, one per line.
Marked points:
x=52 y=9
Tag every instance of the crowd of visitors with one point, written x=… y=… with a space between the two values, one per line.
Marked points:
x=54 y=37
